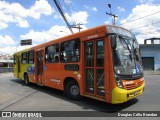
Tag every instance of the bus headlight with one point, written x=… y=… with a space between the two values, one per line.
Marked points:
x=118 y=82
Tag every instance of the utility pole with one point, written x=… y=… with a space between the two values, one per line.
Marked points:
x=78 y=26
x=112 y=15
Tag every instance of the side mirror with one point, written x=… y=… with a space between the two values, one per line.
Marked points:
x=113 y=41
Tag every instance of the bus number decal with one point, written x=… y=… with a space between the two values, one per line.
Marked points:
x=55 y=80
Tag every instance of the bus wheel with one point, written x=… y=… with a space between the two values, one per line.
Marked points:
x=72 y=90
x=26 y=79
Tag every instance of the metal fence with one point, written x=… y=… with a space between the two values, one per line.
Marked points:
x=6 y=69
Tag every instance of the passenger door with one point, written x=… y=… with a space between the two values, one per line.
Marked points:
x=18 y=66
x=94 y=67
x=39 y=66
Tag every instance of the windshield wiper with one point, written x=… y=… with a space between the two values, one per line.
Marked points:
x=130 y=51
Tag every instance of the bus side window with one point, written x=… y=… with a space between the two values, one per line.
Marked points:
x=24 y=58
x=31 y=57
x=14 y=59
x=52 y=53
x=70 y=51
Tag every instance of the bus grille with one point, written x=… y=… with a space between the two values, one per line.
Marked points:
x=133 y=86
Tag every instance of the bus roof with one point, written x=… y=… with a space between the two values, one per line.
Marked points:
x=90 y=31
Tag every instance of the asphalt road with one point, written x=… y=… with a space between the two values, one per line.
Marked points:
x=15 y=96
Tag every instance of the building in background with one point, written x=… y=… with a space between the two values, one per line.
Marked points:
x=150 y=52
x=6 y=63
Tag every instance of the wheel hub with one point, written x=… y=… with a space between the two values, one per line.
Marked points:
x=74 y=90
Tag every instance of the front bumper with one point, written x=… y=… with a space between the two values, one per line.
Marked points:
x=121 y=95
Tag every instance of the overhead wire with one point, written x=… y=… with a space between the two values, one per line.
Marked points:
x=129 y=3
x=145 y=25
x=141 y=18
x=62 y=14
x=125 y=3
x=73 y=17
x=70 y=11
x=74 y=14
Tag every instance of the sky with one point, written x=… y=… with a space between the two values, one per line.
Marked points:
x=40 y=20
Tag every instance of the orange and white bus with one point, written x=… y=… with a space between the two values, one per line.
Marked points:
x=102 y=63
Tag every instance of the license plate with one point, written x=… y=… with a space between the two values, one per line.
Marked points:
x=136 y=93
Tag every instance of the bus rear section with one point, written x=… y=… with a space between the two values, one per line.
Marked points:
x=102 y=63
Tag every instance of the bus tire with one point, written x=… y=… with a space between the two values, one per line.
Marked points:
x=72 y=90
x=26 y=79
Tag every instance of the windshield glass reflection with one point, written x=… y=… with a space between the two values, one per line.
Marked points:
x=126 y=56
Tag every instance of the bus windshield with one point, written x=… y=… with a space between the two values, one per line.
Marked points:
x=126 y=51
x=126 y=56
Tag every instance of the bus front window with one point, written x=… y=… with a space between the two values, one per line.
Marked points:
x=126 y=56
